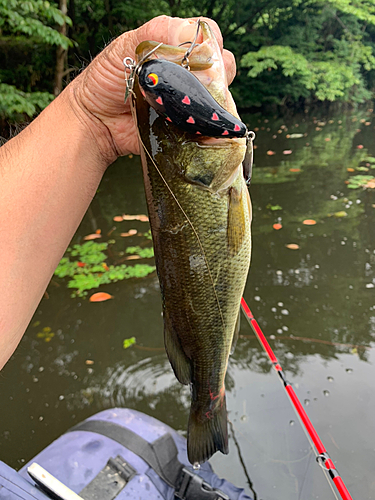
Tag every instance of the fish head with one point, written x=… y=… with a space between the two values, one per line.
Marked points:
x=221 y=156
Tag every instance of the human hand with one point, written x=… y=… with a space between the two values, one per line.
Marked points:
x=97 y=94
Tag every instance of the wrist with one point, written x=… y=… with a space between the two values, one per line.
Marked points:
x=95 y=131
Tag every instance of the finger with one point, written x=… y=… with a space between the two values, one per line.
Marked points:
x=230 y=65
x=174 y=30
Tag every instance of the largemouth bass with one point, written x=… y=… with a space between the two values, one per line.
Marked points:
x=200 y=215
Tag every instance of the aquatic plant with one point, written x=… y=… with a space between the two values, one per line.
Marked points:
x=85 y=265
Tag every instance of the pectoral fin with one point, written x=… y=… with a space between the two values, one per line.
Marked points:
x=178 y=359
x=236 y=333
x=236 y=222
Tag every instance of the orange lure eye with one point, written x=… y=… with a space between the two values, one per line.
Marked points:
x=154 y=78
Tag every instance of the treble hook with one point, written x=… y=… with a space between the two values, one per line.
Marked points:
x=185 y=59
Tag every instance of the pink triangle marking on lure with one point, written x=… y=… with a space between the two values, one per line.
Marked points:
x=214 y=117
x=197 y=132
x=225 y=132
x=159 y=100
x=167 y=118
x=190 y=120
x=237 y=128
x=186 y=100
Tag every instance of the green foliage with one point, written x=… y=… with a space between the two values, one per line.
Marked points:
x=359 y=181
x=32 y=18
x=90 y=270
x=145 y=253
x=128 y=342
x=14 y=102
x=287 y=53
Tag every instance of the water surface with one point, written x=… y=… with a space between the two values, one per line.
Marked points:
x=315 y=303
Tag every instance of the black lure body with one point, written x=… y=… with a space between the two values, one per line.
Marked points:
x=180 y=97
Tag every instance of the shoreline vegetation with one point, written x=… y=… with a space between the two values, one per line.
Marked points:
x=304 y=54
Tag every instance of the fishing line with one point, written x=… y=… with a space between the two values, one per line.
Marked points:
x=184 y=213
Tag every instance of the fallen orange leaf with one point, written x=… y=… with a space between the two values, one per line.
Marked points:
x=133 y=257
x=105 y=266
x=277 y=226
x=93 y=236
x=327 y=139
x=98 y=231
x=270 y=153
x=360 y=146
x=309 y=222
x=118 y=218
x=100 y=297
x=131 y=232
x=287 y=152
x=81 y=264
x=294 y=170
x=292 y=246
x=370 y=184
x=142 y=218
x=350 y=169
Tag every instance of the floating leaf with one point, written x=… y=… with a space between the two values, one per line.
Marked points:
x=274 y=207
x=370 y=184
x=309 y=222
x=142 y=218
x=89 y=362
x=270 y=153
x=118 y=218
x=294 y=170
x=131 y=232
x=350 y=169
x=277 y=226
x=292 y=246
x=128 y=342
x=340 y=214
x=133 y=257
x=362 y=169
x=93 y=236
x=100 y=297
x=287 y=152
x=295 y=136
x=46 y=334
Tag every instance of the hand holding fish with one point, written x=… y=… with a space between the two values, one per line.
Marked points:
x=99 y=91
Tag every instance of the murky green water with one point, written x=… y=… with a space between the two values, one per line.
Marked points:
x=316 y=305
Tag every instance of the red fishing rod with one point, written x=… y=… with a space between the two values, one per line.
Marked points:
x=323 y=458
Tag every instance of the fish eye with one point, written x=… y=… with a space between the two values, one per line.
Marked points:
x=152 y=79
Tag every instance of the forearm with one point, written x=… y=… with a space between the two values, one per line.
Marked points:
x=46 y=186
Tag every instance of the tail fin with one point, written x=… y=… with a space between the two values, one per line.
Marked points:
x=208 y=434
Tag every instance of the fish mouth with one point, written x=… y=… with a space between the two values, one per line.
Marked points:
x=217 y=142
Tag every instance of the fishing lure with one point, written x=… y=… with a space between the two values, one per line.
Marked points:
x=178 y=96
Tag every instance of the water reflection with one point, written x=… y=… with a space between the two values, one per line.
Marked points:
x=315 y=304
